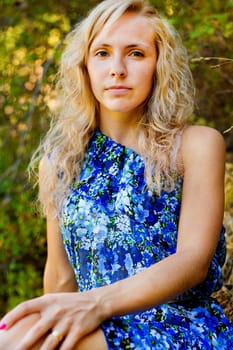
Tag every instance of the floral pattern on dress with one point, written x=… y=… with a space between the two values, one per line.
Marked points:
x=114 y=227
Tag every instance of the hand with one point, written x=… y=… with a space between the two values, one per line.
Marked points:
x=72 y=315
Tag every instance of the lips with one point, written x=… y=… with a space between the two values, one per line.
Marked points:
x=118 y=89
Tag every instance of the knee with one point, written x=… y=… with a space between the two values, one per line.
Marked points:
x=95 y=340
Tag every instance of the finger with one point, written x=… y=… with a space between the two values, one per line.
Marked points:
x=34 y=334
x=54 y=338
x=71 y=340
x=20 y=311
x=13 y=336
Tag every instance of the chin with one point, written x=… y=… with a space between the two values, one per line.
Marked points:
x=123 y=109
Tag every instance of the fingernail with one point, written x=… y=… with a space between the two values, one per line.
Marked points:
x=2 y=326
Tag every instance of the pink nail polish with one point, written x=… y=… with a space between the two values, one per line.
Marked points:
x=2 y=326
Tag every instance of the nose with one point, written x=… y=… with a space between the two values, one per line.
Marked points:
x=118 y=68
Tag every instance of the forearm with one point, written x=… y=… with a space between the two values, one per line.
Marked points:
x=158 y=284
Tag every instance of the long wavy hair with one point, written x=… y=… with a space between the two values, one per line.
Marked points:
x=165 y=112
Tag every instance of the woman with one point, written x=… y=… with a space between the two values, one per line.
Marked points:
x=133 y=196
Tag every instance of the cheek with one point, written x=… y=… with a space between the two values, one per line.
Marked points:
x=95 y=77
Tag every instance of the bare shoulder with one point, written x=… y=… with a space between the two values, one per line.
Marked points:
x=202 y=135
x=202 y=143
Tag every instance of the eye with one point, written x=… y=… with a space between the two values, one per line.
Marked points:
x=137 y=53
x=101 y=53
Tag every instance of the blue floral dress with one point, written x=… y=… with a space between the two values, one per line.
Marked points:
x=113 y=227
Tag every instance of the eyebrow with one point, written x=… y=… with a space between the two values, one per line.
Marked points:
x=127 y=47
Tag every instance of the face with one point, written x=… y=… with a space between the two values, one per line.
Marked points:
x=121 y=64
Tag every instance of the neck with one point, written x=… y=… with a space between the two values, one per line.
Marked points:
x=121 y=127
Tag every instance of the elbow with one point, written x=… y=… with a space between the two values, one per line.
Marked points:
x=57 y=282
x=202 y=274
x=199 y=271
x=195 y=268
x=66 y=285
x=60 y=285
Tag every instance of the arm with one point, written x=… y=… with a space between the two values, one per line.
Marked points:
x=203 y=154
x=58 y=273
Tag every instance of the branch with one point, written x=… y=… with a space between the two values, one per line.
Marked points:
x=222 y=60
x=228 y=130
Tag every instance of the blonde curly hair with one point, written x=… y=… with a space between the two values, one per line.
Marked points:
x=165 y=112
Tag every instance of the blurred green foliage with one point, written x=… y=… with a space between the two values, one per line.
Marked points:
x=31 y=41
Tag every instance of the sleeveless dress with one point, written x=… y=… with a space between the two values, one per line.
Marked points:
x=113 y=227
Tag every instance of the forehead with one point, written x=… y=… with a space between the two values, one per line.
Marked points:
x=129 y=27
